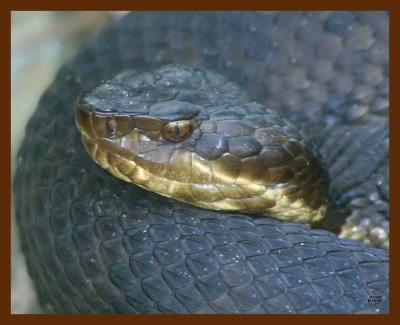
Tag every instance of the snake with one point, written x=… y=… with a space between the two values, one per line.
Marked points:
x=266 y=135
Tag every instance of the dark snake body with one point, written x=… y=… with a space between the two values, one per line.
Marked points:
x=97 y=245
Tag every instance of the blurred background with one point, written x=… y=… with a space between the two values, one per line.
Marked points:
x=40 y=43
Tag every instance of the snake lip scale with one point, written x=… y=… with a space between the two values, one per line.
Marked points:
x=96 y=244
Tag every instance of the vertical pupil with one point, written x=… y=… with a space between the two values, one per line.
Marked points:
x=177 y=129
x=111 y=126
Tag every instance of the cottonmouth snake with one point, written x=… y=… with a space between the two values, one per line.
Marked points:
x=95 y=244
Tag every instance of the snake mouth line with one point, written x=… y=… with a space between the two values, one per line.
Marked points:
x=273 y=202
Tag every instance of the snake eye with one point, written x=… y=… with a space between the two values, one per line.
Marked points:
x=177 y=131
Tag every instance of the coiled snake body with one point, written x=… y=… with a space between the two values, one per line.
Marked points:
x=96 y=244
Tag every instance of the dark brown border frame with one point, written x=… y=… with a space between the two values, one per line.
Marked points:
x=5 y=169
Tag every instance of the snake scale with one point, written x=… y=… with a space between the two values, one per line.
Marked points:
x=94 y=244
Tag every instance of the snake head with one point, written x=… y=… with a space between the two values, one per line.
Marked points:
x=192 y=135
